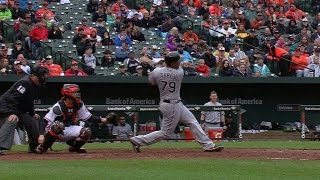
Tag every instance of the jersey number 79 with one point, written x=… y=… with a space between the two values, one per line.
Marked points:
x=170 y=85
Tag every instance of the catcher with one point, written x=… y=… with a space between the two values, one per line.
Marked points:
x=62 y=123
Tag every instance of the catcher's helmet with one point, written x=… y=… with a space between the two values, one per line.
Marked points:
x=72 y=91
x=40 y=72
x=171 y=57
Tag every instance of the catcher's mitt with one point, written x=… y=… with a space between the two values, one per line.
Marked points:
x=112 y=118
x=57 y=127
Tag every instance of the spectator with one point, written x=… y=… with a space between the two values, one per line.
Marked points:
x=92 y=6
x=123 y=131
x=250 y=42
x=5 y=13
x=107 y=60
x=175 y=10
x=79 y=34
x=167 y=26
x=215 y=9
x=315 y=54
x=185 y=56
x=82 y=44
x=122 y=52
x=190 y=36
x=122 y=37
x=4 y=66
x=258 y=22
x=225 y=70
x=38 y=33
x=260 y=69
x=190 y=9
x=137 y=35
x=16 y=11
x=147 y=22
x=221 y=55
x=118 y=25
x=74 y=70
x=44 y=10
x=100 y=13
x=94 y=37
x=55 y=33
x=50 y=21
x=136 y=18
x=295 y=13
x=174 y=32
x=54 y=69
x=18 y=49
x=106 y=40
x=17 y=69
x=188 y=69
x=204 y=9
x=195 y=51
x=292 y=27
x=202 y=68
x=122 y=71
x=209 y=58
x=316 y=34
x=316 y=21
x=298 y=59
x=30 y=10
x=241 y=32
x=145 y=63
x=84 y=25
x=305 y=24
x=100 y=29
x=111 y=18
x=242 y=71
x=117 y=5
x=172 y=44
x=154 y=52
x=314 y=66
x=139 y=70
x=131 y=63
x=89 y=61
x=24 y=64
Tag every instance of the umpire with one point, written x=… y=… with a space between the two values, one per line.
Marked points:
x=16 y=106
x=212 y=119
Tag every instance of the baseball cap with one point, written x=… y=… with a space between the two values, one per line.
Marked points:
x=276 y=32
x=210 y=48
x=17 y=3
x=240 y=12
x=43 y=60
x=17 y=62
x=45 y=4
x=180 y=45
x=189 y=28
x=222 y=49
x=74 y=62
x=259 y=14
x=29 y=3
x=305 y=20
x=252 y=30
x=18 y=42
x=49 y=57
x=122 y=5
x=121 y=66
x=139 y=67
x=154 y=47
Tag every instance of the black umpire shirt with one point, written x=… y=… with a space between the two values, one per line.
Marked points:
x=19 y=98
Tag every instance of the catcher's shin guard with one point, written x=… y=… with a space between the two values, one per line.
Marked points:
x=75 y=146
x=50 y=138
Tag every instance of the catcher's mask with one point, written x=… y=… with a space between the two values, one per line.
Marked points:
x=71 y=91
x=42 y=74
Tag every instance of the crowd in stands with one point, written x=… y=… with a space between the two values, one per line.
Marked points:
x=236 y=38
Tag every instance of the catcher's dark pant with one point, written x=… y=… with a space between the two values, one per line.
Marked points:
x=8 y=128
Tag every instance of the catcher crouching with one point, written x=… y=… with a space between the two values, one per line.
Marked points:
x=61 y=122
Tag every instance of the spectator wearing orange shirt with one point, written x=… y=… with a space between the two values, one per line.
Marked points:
x=74 y=70
x=215 y=9
x=202 y=68
x=298 y=58
x=295 y=13
x=196 y=3
x=54 y=69
x=280 y=2
x=116 y=6
x=190 y=37
x=44 y=10
x=86 y=29
x=257 y=22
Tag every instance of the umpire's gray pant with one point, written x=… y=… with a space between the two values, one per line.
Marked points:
x=6 y=132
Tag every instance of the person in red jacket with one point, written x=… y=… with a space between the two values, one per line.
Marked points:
x=202 y=68
x=74 y=70
x=38 y=33
x=299 y=59
x=281 y=57
x=45 y=10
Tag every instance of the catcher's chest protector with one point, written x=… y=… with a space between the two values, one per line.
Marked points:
x=69 y=114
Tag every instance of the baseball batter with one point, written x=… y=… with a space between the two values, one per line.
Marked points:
x=212 y=119
x=62 y=122
x=168 y=79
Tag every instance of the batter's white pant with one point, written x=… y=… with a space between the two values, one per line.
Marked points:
x=70 y=132
x=172 y=115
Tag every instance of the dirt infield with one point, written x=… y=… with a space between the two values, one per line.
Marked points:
x=169 y=154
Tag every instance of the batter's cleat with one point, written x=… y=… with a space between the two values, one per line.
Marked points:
x=214 y=149
x=135 y=145
x=80 y=151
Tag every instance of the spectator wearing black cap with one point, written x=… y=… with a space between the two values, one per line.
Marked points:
x=82 y=44
x=316 y=34
x=55 y=33
x=147 y=21
x=16 y=11
x=122 y=71
x=131 y=62
x=18 y=49
x=79 y=34
x=92 y=6
x=107 y=60
x=209 y=58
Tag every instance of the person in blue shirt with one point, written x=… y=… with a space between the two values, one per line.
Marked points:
x=122 y=37
x=185 y=56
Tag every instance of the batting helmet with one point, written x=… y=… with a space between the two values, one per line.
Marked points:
x=71 y=91
x=171 y=57
x=40 y=72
